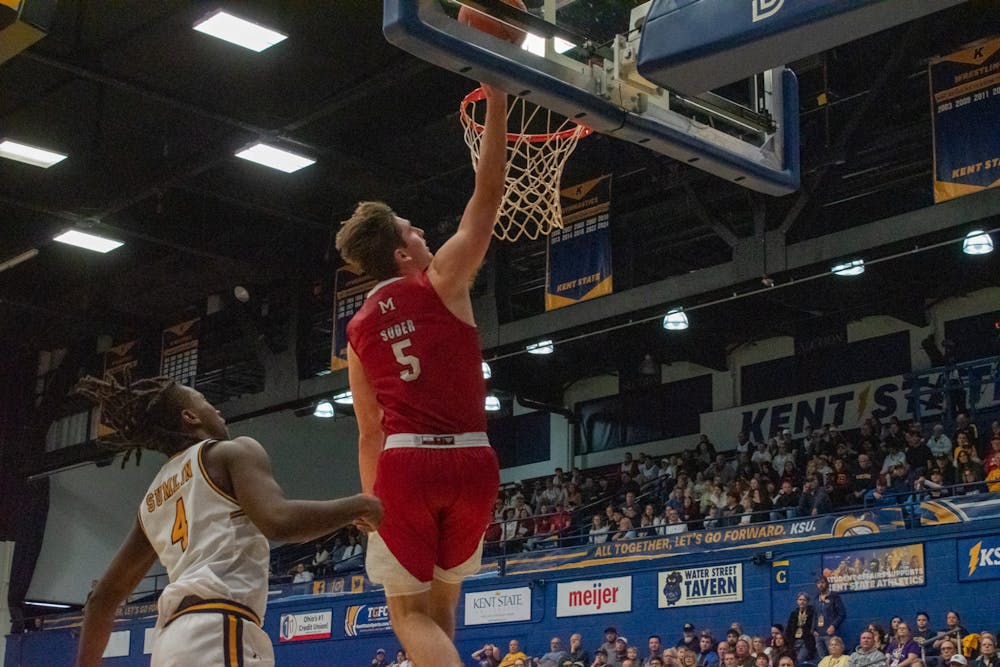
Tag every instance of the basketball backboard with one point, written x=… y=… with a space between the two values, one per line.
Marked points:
x=580 y=61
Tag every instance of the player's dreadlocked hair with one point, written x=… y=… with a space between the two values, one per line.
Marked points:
x=145 y=414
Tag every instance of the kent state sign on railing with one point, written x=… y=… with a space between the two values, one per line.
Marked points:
x=979 y=558
x=848 y=405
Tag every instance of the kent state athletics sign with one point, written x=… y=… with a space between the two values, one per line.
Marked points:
x=979 y=558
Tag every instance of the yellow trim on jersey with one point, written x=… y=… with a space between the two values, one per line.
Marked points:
x=201 y=466
x=219 y=606
x=233 y=649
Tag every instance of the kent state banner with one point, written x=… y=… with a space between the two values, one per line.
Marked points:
x=579 y=254
x=965 y=99
x=979 y=558
x=871 y=569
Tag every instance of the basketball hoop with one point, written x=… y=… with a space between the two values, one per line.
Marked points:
x=536 y=154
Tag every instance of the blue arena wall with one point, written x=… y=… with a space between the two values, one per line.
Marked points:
x=771 y=573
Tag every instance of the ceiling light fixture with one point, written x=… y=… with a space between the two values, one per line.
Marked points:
x=977 y=242
x=492 y=403
x=855 y=267
x=487 y=371
x=541 y=347
x=38 y=157
x=239 y=31
x=324 y=410
x=88 y=241
x=344 y=398
x=54 y=605
x=275 y=158
x=675 y=320
x=536 y=44
x=18 y=259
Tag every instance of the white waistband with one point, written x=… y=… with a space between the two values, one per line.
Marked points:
x=437 y=441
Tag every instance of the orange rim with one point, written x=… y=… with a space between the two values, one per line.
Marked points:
x=478 y=95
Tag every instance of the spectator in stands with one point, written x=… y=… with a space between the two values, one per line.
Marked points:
x=964 y=444
x=779 y=647
x=815 y=500
x=626 y=531
x=785 y=503
x=744 y=658
x=542 y=534
x=621 y=651
x=598 y=533
x=552 y=494
x=799 y=632
x=964 y=459
x=964 y=427
x=654 y=661
x=648 y=470
x=732 y=512
x=757 y=646
x=972 y=482
x=600 y=658
x=688 y=638
x=923 y=633
x=610 y=645
x=947 y=649
x=678 y=657
x=729 y=659
x=574 y=497
x=867 y=654
x=629 y=466
x=487 y=656
x=760 y=506
x=627 y=485
x=879 y=496
x=654 y=648
x=953 y=630
x=354 y=555
x=835 y=656
x=577 y=656
x=301 y=574
x=938 y=442
x=864 y=478
x=514 y=653
x=830 y=615
x=670 y=522
x=902 y=651
x=555 y=654
x=380 y=660
x=918 y=454
x=881 y=636
x=786 y=661
x=320 y=559
x=987 y=651
x=707 y=657
x=402 y=660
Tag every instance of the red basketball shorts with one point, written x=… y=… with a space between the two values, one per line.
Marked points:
x=438 y=502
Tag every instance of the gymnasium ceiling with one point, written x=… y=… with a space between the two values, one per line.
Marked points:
x=151 y=112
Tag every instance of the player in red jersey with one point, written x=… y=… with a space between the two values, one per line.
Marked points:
x=415 y=369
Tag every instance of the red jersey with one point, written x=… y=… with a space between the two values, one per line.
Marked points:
x=424 y=363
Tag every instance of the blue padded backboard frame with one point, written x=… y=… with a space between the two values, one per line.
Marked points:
x=422 y=28
x=698 y=45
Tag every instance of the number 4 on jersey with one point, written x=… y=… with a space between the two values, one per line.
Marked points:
x=412 y=365
x=180 y=531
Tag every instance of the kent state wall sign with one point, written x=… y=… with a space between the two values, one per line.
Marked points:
x=694 y=586
x=979 y=558
x=498 y=606
x=594 y=596
x=306 y=625
x=871 y=569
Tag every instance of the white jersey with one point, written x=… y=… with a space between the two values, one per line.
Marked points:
x=207 y=544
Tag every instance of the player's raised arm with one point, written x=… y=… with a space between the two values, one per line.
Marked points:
x=456 y=263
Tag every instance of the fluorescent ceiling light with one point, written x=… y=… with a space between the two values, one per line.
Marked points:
x=536 y=44
x=487 y=371
x=541 y=347
x=324 y=410
x=853 y=268
x=675 y=320
x=977 y=242
x=23 y=257
x=240 y=31
x=54 y=605
x=88 y=241
x=492 y=403
x=344 y=398
x=275 y=158
x=39 y=157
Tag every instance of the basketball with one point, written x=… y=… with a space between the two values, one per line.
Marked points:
x=492 y=26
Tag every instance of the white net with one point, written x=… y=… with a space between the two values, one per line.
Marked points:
x=539 y=142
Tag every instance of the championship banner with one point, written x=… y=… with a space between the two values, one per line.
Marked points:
x=957 y=509
x=179 y=352
x=578 y=256
x=498 y=606
x=965 y=104
x=305 y=626
x=872 y=569
x=849 y=404
x=349 y=293
x=118 y=362
x=700 y=585
x=979 y=558
x=365 y=619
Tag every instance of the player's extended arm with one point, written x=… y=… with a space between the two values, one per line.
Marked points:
x=367 y=411
x=281 y=518
x=455 y=264
x=130 y=565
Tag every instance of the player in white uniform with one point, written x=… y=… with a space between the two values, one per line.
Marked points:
x=208 y=516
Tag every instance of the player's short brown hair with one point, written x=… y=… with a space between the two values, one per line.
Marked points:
x=369 y=239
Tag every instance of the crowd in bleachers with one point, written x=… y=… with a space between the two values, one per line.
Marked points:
x=902 y=644
x=783 y=477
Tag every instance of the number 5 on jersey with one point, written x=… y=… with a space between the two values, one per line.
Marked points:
x=180 y=531
x=411 y=364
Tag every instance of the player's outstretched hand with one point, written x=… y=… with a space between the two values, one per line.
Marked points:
x=370 y=514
